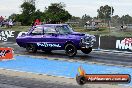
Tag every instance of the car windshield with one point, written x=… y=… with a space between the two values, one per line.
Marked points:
x=64 y=29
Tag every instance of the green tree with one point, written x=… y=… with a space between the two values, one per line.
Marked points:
x=126 y=19
x=74 y=19
x=104 y=12
x=56 y=13
x=116 y=20
x=39 y=15
x=12 y=16
x=85 y=18
x=16 y=17
x=27 y=15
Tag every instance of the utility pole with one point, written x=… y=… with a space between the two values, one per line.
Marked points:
x=111 y=11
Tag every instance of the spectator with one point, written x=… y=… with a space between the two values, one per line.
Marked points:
x=10 y=23
x=37 y=22
x=1 y=21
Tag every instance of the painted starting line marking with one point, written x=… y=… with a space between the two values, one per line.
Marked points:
x=59 y=68
x=73 y=60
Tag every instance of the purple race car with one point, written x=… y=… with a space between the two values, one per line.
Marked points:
x=50 y=37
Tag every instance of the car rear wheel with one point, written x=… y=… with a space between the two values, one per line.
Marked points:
x=87 y=50
x=31 y=48
x=70 y=50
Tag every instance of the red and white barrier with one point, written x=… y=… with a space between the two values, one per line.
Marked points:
x=6 y=53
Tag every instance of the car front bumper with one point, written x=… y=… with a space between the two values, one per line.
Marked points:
x=87 y=41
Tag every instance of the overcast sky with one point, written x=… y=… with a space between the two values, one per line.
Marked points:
x=75 y=7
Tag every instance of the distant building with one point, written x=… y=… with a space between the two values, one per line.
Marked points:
x=30 y=1
x=93 y=24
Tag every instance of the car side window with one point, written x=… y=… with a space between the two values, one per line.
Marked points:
x=37 y=31
x=49 y=30
x=63 y=29
x=60 y=29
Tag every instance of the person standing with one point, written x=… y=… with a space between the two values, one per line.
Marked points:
x=10 y=23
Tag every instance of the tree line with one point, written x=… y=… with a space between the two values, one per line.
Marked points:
x=56 y=13
x=52 y=14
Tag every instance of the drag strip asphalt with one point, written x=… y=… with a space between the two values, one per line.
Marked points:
x=103 y=57
x=27 y=80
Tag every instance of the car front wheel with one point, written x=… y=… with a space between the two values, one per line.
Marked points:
x=31 y=48
x=87 y=50
x=70 y=50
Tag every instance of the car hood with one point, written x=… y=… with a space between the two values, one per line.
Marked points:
x=78 y=34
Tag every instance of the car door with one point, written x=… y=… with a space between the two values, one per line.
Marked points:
x=36 y=35
x=62 y=38
x=50 y=38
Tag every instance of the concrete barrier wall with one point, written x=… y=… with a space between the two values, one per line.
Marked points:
x=9 y=36
x=124 y=43
x=96 y=45
x=103 y=42
x=116 y=43
x=107 y=42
